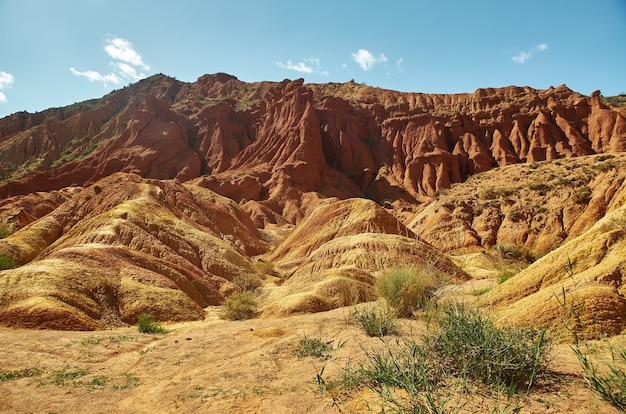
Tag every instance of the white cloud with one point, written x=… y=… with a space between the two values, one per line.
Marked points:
x=298 y=67
x=93 y=76
x=399 y=63
x=366 y=59
x=523 y=56
x=122 y=49
x=129 y=71
x=6 y=81
x=309 y=66
x=127 y=64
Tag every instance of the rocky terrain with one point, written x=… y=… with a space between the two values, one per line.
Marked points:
x=163 y=197
x=157 y=196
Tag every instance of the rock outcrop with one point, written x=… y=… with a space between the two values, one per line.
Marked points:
x=271 y=144
x=125 y=246
x=333 y=257
x=155 y=197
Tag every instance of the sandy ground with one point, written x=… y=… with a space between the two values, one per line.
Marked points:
x=217 y=366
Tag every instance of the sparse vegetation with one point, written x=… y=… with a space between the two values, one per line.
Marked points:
x=434 y=376
x=94 y=340
x=511 y=252
x=239 y=306
x=504 y=276
x=482 y=291
x=247 y=282
x=408 y=289
x=5 y=230
x=19 y=373
x=497 y=356
x=607 y=377
x=146 y=324
x=516 y=215
x=375 y=321
x=7 y=262
x=67 y=376
x=128 y=381
x=313 y=347
x=582 y=196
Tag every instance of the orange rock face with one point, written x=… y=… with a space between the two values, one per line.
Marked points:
x=274 y=143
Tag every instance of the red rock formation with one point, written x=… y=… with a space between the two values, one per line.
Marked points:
x=275 y=143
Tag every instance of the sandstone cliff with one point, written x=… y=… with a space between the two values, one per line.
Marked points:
x=268 y=145
x=155 y=197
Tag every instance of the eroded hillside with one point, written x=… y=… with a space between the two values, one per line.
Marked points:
x=156 y=197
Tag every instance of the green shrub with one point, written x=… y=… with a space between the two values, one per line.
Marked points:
x=375 y=321
x=313 y=347
x=247 y=282
x=146 y=324
x=6 y=230
x=508 y=251
x=497 y=356
x=7 y=262
x=239 y=306
x=582 y=196
x=433 y=376
x=516 y=215
x=406 y=290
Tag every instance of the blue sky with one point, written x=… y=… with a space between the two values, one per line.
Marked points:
x=55 y=53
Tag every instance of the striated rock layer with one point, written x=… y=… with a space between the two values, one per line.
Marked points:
x=122 y=247
x=269 y=145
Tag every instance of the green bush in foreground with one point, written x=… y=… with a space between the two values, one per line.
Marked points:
x=375 y=321
x=480 y=350
x=433 y=376
x=239 y=306
x=406 y=290
x=146 y=324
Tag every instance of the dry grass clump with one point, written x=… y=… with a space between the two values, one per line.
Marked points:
x=375 y=321
x=239 y=306
x=147 y=324
x=247 y=282
x=406 y=290
x=465 y=350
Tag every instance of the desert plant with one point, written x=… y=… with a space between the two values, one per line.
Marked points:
x=7 y=262
x=408 y=289
x=63 y=376
x=509 y=251
x=146 y=324
x=498 y=356
x=239 y=306
x=247 y=282
x=313 y=347
x=19 y=373
x=432 y=376
x=516 y=215
x=582 y=196
x=608 y=379
x=5 y=230
x=504 y=276
x=375 y=321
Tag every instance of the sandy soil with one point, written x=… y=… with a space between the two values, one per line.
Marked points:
x=217 y=366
